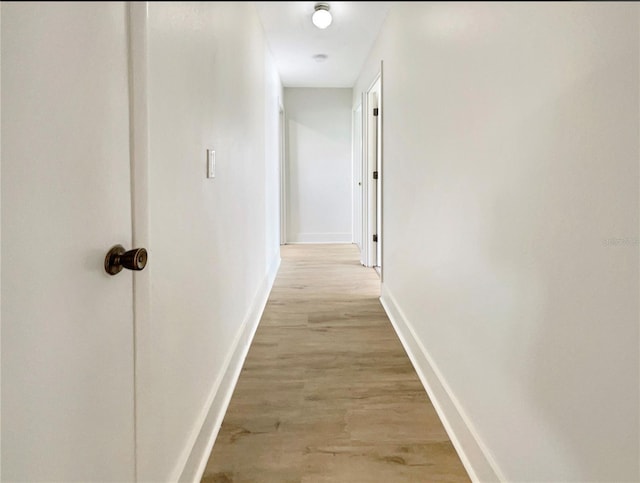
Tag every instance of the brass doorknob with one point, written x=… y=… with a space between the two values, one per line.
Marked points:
x=117 y=259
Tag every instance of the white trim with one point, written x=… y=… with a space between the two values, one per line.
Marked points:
x=364 y=250
x=193 y=460
x=320 y=238
x=322 y=243
x=380 y=187
x=353 y=176
x=137 y=29
x=475 y=457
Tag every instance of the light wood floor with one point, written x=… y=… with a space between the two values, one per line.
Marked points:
x=327 y=393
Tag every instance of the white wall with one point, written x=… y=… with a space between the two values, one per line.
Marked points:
x=319 y=165
x=511 y=227
x=213 y=242
x=273 y=136
x=68 y=331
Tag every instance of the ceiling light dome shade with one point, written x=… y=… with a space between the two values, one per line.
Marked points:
x=321 y=18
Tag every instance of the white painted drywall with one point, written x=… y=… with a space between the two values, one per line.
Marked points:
x=319 y=165
x=273 y=137
x=511 y=222
x=212 y=241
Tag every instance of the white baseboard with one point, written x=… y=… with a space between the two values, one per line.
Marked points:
x=223 y=390
x=474 y=455
x=319 y=238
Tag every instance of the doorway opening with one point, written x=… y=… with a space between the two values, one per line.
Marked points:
x=371 y=249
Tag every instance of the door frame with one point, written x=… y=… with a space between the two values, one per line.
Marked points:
x=372 y=161
x=139 y=142
x=379 y=188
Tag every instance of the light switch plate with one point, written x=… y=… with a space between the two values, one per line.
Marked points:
x=211 y=163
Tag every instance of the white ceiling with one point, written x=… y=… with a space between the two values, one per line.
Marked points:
x=294 y=40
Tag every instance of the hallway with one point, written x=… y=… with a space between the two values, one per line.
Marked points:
x=327 y=393
x=507 y=148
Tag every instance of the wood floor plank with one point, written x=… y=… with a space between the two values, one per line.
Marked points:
x=327 y=393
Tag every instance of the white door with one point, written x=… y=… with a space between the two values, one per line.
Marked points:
x=67 y=326
x=357 y=177
x=372 y=215
x=378 y=157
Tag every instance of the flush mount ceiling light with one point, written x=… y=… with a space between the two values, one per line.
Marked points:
x=320 y=57
x=321 y=18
